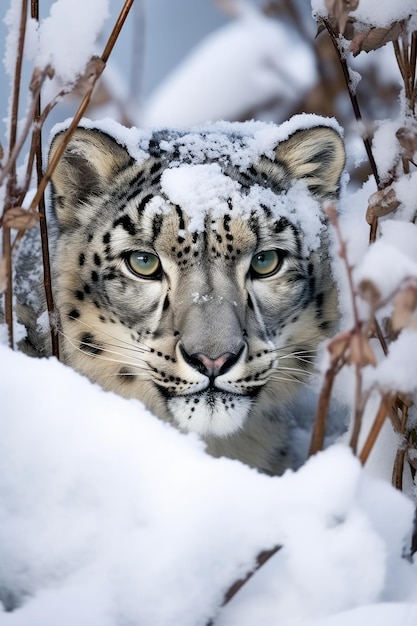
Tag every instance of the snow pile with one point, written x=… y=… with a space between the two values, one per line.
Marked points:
x=253 y=61
x=108 y=516
x=66 y=39
x=375 y=12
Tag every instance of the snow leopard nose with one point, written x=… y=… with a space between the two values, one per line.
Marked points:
x=212 y=367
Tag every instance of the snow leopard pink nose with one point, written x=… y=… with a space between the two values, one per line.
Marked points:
x=212 y=367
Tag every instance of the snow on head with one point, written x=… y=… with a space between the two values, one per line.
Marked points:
x=199 y=189
x=195 y=179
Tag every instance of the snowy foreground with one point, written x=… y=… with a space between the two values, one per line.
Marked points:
x=111 y=517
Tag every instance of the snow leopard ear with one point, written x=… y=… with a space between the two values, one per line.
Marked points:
x=88 y=164
x=317 y=156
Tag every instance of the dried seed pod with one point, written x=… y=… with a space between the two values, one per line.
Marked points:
x=339 y=11
x=360 y=351
x=94 y=68
x=381 y=203
x=405 y=305
x=338 y=346
x=408 y=141
x=20 y=218
x=369 y=292
x=375 y=38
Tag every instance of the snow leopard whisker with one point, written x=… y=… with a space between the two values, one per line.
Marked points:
x=292 y=369
x=103 y=357
x=128 y=344
x=293 y=379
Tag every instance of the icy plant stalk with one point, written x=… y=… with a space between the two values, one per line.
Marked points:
x=14 y=217
x=391 y=312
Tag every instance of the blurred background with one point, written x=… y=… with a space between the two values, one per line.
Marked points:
x=183 y=62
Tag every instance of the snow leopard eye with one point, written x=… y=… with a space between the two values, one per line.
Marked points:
x=266 y=263
x=144 y=264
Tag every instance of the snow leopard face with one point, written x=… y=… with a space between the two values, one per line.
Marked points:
x=195 y=276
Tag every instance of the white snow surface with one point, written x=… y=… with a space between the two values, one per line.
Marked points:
x=66 y=39
x=109 y=516
x=375 y=12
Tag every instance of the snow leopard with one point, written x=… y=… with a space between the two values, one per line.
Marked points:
x=192 y=272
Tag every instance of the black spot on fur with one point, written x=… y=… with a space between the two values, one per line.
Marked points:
x=79 y=295
x=126 y=223
x=126 y=375
x=97 y=260
x=106 y=238
x=73 y=314
x=94 y=276
x=155 y=168
x=89 y=345
x=181 y=223
x=142 y=204
x=166 y=303
x=281 y=225
x=157 y=225
x=81 y=259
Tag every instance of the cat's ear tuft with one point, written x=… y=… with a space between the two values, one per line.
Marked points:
x=316 y=156
x=89 y=163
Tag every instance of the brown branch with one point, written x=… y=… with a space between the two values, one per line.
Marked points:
x=98 y=69
x=261 y=559
x=358 y=117
x=319 y=429
x=17 y=147
x=375 y=430
x=11 y=184
x=37 y=151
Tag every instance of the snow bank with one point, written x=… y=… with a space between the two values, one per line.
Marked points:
x=108 y=517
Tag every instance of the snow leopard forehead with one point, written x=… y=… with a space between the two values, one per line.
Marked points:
x=223 y=169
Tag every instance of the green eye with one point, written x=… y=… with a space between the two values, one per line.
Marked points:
x=266 y=263
x=144 y=264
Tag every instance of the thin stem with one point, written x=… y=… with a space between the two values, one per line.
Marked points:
x=37 y=150
x=116 y=30
x=319 y=429
x=83 y=105
x=261 y=559
x=374 y=432
x=11 y=185
x=358 y=116
x=17 y=147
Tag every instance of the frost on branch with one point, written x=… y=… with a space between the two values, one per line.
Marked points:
x=367 y=24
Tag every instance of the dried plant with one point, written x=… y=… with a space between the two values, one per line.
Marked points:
x=14 y=216
x=353 y=347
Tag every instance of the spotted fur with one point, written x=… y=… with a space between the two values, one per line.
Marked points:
x=205 y=343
